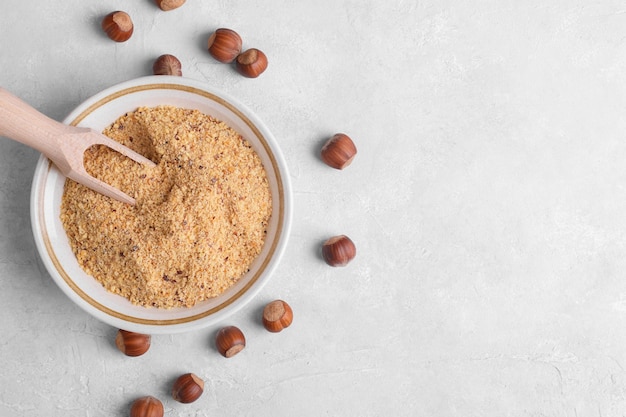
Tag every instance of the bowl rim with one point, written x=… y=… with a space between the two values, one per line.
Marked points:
x=211 y=315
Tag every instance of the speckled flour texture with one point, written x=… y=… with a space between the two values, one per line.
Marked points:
x=200 y=218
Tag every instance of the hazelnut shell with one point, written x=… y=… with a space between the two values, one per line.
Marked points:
x=230 y=341
x=167 y=5
x=251 y=63
x=167 y=65
x=187 y=388
x=118 y=26
x=338 y=151
x=225 y=45
x=277 y=316
x=131 y=343
x=147 y=407
x=338 y=250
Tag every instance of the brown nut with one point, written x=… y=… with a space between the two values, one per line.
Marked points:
x=251 y=63
x=187 y=388
x=338 y=151
x=146 y=407
x=118 y=26
x=167 y=65
x=224 y=45
x=230 y=341
x=338 y=250
x=132 y=344
x=277 y=316
x=167 y=5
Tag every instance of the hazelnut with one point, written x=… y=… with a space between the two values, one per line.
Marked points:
x=167 y=5
x=146 y=407
x=338 y=151
x=230 y=341
x=167 y=65
x=225 y=45
x=338 y=250
x=132 y=344
x=187 y=388
x=277 y=316
x=118 y=26
x=251 y=63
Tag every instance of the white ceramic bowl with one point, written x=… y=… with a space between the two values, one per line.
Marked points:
x=98 y=112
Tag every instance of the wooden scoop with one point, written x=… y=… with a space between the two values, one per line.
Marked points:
x=64 y=145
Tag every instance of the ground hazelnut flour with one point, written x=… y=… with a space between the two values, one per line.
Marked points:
x=200 y=217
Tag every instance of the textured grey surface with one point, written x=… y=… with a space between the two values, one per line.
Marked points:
x=487 y=205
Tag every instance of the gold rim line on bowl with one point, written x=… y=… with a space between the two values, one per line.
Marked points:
x=68 y=280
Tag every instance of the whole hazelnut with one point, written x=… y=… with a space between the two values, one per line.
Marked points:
x=167 y=5
x=187 y=388
x=118 y=26
x=338 y=250
x=167 y=65
x=224 y=45
x=338 y=151
x=146 y=407
x=277 y=316
x=251 y=63
x=131 y=343
x=230 y=341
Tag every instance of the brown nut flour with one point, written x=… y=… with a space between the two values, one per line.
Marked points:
x=200 y=218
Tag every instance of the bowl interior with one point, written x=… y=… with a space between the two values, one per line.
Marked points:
x=97 y=113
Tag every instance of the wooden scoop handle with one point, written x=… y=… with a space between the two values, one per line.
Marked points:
x=63 y=145
x=21 y=122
